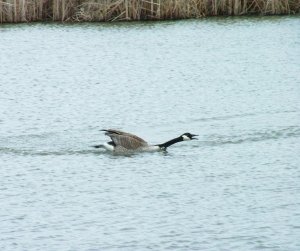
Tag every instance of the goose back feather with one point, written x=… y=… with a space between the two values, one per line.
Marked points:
x=125 y=140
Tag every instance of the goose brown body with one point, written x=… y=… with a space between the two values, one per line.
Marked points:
x=125 y=140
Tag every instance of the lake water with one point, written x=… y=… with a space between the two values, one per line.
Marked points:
x=233 y=81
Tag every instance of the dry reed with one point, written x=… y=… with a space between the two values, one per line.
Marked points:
x=117 y=10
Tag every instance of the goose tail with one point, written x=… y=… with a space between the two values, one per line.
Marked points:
x=98 y=146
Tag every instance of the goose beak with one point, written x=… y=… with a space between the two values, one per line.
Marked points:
x=194 y=135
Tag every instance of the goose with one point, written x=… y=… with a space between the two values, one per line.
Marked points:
x=127 y=142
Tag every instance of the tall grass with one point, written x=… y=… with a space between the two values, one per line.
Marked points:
x=116 y=10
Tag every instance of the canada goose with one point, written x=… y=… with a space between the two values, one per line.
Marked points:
x=124 y=142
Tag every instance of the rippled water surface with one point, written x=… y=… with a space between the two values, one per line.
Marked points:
x=235 y=82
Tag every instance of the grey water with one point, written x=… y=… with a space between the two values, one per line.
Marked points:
x=233 y=81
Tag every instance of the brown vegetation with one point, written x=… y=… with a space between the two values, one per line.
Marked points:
x=116 y=10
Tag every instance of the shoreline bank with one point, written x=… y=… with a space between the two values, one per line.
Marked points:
x=17 y=11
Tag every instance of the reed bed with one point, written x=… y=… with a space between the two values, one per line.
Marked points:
x=118 y=10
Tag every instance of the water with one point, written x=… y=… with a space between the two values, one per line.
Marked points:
x=233 y=81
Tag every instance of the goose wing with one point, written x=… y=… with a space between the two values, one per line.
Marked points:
x=124 y=139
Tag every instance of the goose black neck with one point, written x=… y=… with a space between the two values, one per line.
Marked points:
x=170 y=142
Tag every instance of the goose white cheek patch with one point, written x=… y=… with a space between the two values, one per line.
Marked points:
x=185 y=137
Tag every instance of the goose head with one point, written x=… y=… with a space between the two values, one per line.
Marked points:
x=188 y=136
